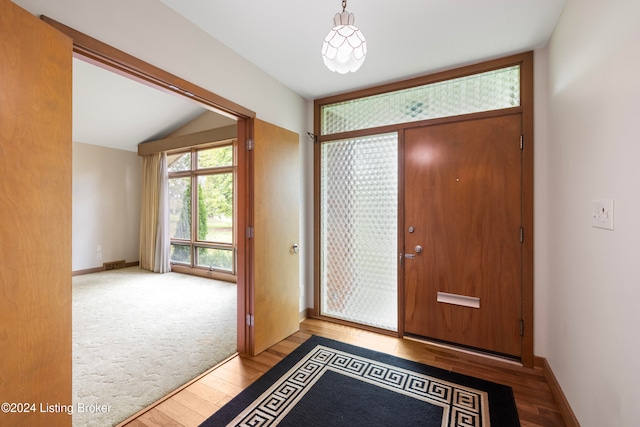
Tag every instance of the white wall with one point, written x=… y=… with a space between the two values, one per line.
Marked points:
x=106 y=205
x=594 y=152
x=541 y=215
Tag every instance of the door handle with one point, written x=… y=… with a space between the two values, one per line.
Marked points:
x=418 y=250
x=295 y=248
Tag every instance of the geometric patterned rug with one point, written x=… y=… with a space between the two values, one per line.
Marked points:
x=329 y=383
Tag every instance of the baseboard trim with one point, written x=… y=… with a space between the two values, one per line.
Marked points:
x=87 y=271
x=567 y=413
x=99 y=269
x=305 y=314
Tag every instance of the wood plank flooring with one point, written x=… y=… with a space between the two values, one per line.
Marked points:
x=196 y=402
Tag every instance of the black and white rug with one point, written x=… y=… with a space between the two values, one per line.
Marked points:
x=329 y=383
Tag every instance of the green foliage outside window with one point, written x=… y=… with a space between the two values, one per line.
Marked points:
x=215 y=208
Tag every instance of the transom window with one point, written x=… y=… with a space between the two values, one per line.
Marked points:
x=487 y=91
x=201 y=208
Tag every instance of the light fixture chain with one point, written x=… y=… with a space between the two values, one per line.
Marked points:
x=344 y=5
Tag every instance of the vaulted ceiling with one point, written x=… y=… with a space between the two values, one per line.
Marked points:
x=114 y=111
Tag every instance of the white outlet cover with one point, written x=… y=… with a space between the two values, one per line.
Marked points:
x=602 y=215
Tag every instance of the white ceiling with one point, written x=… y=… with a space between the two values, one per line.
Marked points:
x=405 y=38
x=114 y=111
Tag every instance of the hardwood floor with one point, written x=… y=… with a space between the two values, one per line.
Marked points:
x=196 y=402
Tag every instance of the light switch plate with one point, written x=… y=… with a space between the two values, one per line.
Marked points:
x=603 y=214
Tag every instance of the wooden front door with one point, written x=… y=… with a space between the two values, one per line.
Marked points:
x=35 y=219
x=276 y=204
x=463 y=254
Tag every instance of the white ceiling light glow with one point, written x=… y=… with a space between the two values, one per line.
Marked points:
x=344 y=48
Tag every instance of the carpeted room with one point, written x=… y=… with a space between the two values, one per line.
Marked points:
x=137 y=335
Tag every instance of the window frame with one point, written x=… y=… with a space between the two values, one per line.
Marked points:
x=194 y=243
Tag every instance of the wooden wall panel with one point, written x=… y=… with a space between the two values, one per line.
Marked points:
x=35 y=219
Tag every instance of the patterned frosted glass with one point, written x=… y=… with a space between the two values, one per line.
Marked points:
x=359 y=237
x=488 y=91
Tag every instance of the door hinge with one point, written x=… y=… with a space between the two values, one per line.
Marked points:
x=249 y=232
x=521 y=234
x=400 y=258
x=521 y=142
x=249 y=144
x=521 y=327
x=249 y=319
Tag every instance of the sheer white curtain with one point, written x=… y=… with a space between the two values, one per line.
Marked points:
x=162 y=262
x=154 y=214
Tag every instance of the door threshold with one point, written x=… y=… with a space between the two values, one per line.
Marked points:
x=465 y=350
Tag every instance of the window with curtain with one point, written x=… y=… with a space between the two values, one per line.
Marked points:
x=201 y=208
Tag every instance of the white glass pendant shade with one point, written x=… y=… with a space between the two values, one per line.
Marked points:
x=344 y=48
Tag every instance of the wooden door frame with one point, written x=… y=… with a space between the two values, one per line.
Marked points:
x=117 y=61
x=525 y=60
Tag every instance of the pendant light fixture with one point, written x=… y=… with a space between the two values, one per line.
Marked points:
x=344 y=48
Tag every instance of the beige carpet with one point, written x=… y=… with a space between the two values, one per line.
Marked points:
x=138 y=335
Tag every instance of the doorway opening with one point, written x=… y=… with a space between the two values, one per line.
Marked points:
x=106 y=57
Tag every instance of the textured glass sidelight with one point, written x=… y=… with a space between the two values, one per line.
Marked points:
x=492 y=90
x=359 y=237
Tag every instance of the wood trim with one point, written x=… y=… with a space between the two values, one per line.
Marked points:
x=567 y=413
x=244 y=255
x=226 y=133
x=356 y=325
x=418 y=124
x=306 y=314
x=525 y=60
x=424 y=80
x=200 y=272
x=105 y=56
x=400 y=249
x=176 y=391
x=99 y=269
x=526 y=101
x=316 y=210
x=87 y=271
